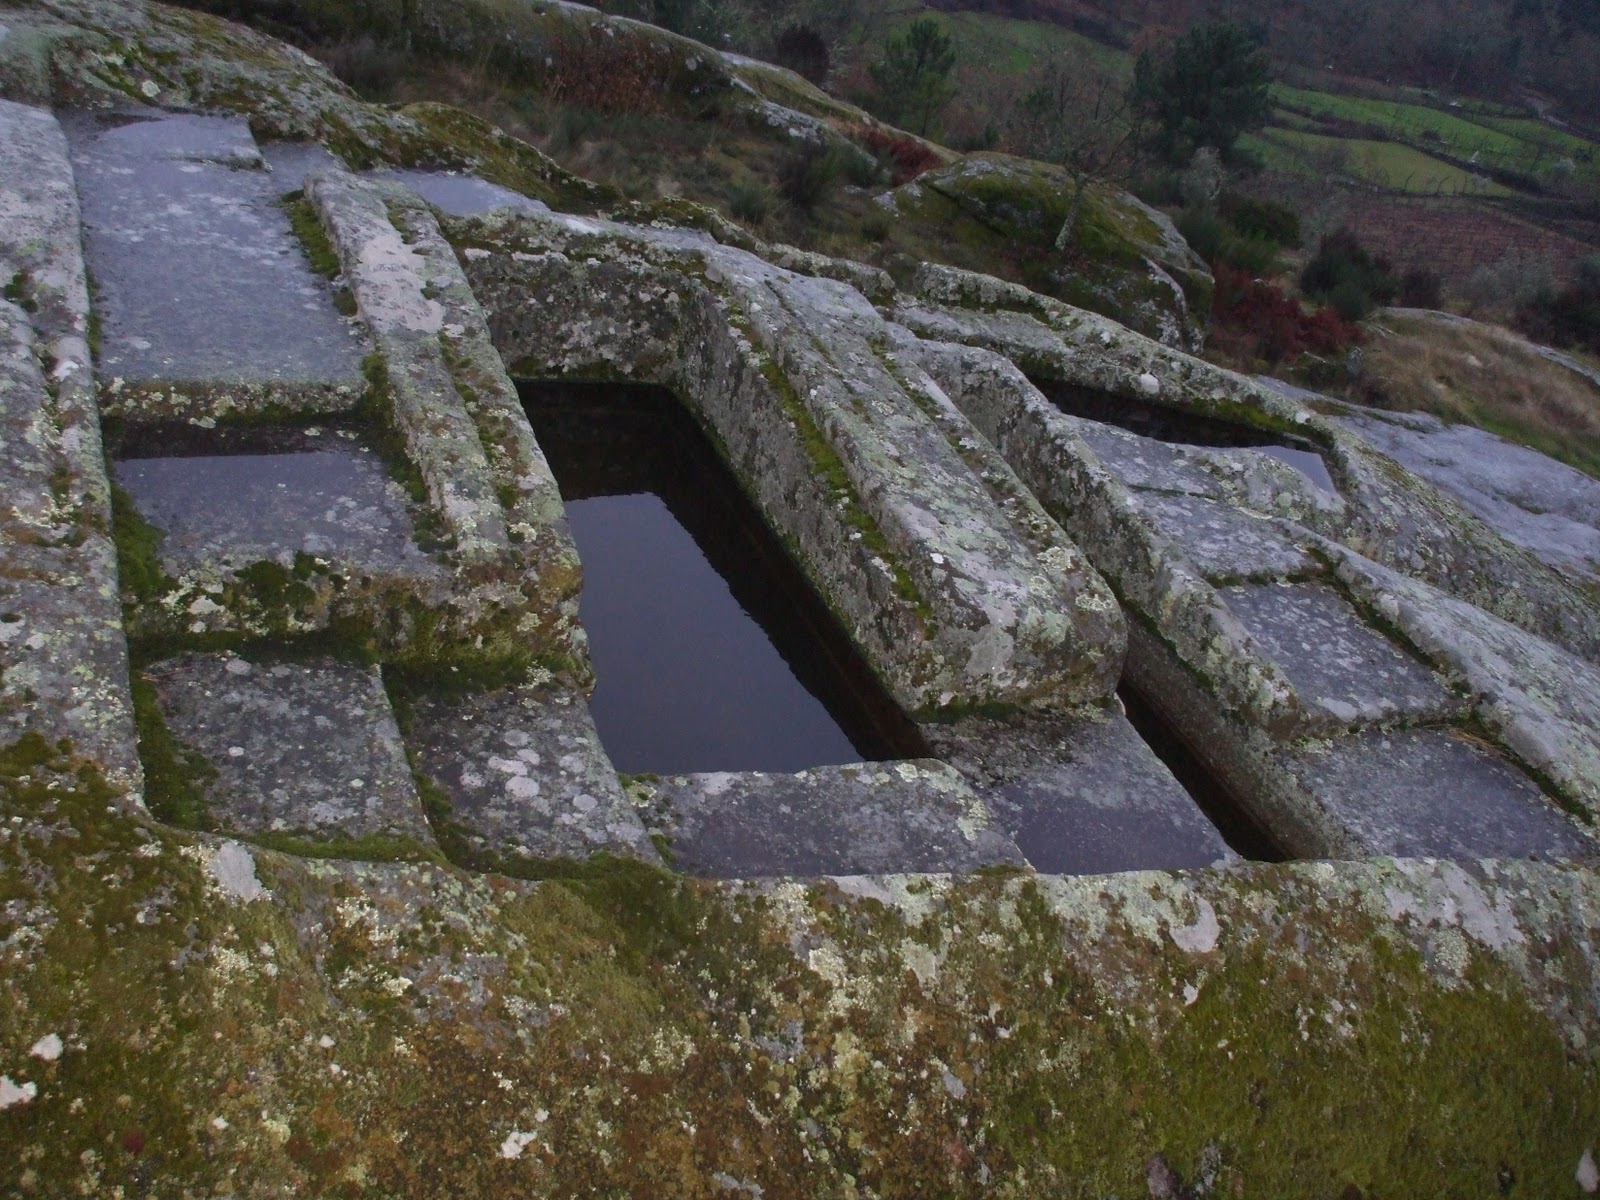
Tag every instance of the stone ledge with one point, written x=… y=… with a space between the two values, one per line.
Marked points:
x=854 y=819
x=63 y=655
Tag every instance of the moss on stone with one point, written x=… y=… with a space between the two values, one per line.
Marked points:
x=138 y=543
x=831 y=471
x=176 y=777
x=313 y=238
x=372 y=847
x=649 y=1032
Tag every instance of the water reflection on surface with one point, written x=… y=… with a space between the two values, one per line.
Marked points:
x=711 y=651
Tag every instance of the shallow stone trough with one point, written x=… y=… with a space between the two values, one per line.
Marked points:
x=206 y=301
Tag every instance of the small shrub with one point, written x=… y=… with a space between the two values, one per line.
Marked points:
x=1570 y=316
x=804 y=51
x=595 y=70
x=1345 y=275
x=1504 y=287
x=905 y=157
x=860 y=168
x=572 y=127
x=368 y=66
x=1258 y=218
x=987 y=138
x=1204 y=231
x=876 y=225
x=1216 y=242
x=750 y=202
x=1160 y=188
x=1419 y=288
x=809 y=173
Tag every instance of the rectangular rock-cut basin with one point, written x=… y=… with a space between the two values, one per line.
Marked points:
x=710 y=650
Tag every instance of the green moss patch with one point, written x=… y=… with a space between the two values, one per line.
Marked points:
x=138 y=543
x=313 y=237
x=391 y=1029
x=176 y=777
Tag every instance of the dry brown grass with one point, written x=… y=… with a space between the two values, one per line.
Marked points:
x=1483 y=374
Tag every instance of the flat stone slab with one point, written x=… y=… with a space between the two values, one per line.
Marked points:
x=1341 y=668
x=857 y=819
x=457 y=194
x=1142 y=462
x=322 y=494
x=1100 y=801
x=1269 y=479
x=1436 y=793
x=202 y=288
x=1530 y=499
x=309 y=750
x=1222 y=541
x=525 y=777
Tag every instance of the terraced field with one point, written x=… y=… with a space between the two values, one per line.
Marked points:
x=1411 y=141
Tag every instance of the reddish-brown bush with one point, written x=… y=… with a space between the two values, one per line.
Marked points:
x=611 y=74
x=906 y=156
x=1256 y=319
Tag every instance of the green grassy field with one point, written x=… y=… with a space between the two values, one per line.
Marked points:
x=1519 y=144
x=1392 y=149
x=1016 y=47
x=1386 y=164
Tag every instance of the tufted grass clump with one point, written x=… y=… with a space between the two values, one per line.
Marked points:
x=750 y=202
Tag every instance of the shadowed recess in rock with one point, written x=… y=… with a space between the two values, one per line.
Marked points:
x=711 y=651
x=1243 y=835
x=1166 y=424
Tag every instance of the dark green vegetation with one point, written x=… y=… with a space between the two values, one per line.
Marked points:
x=175 y=777
x=913 y=75
x=1343 y=274
x=1207 y=91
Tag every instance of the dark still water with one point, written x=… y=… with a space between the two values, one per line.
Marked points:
x=711 y=651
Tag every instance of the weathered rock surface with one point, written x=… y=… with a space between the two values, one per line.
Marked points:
x=542 y=1037
x=318 y=493
x=1385 y=513
x=63 y=656
x=300 y=752
x=289 y=532
x=1339 y=666
x=525 y=779
x=202 y=1016
x=1137 y=270
x=1432 y=793
x=849 y=820
x=1252 y=674
x=207 y=302
x=951 y=595
x=1083 y=796
x=1544 y=506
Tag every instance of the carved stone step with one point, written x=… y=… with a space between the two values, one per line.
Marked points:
x=303 y=751
x=848 y=820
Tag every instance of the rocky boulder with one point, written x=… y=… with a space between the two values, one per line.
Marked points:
x=1127 y=260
